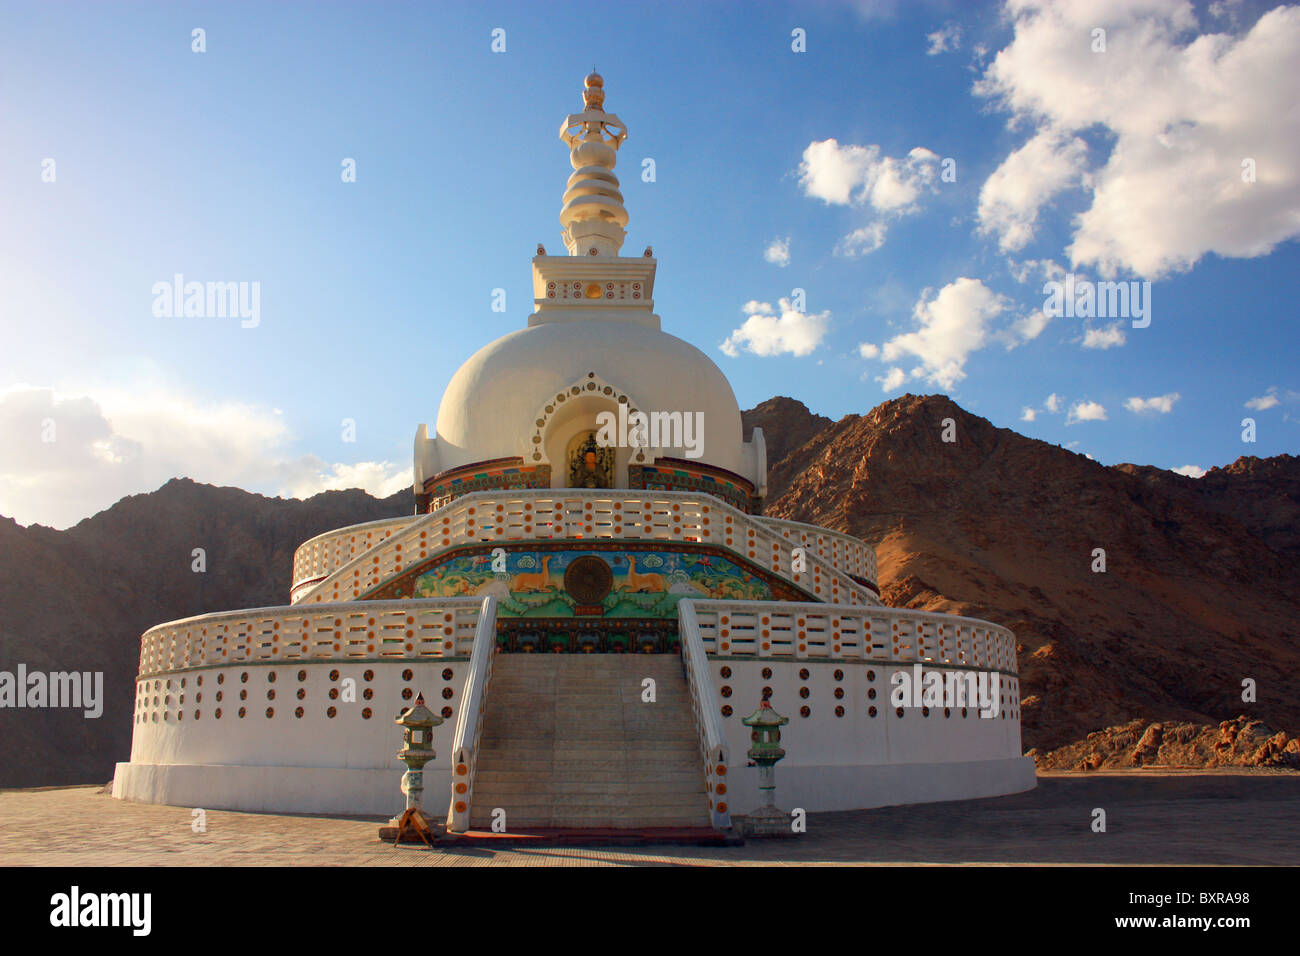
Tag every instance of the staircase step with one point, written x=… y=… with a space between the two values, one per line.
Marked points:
x=568 y=742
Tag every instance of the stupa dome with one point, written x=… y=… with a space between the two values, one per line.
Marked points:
x=494 y=402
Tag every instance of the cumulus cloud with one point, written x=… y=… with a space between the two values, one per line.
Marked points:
x=781 y=331
x=946 y=38
x=1012 y=196
x=311 y=475
x=68 y=456
x=1104 y=338
x=863 y=241
x=1026 y=328
x=1268 y=400
x=869 y=351
x=1054 y=403
x=1028 y=414
x=1086 y=412
x=1024 y=269
x=778 y=252
x=1186 y=115
x=1190 y=471
x=893 y=379
x=951 y=325
x=860 y=176
x=1164 y=404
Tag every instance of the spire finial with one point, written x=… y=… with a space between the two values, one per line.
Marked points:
x=593 y=93
x=593 y=216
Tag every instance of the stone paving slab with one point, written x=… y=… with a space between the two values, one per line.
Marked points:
x=1153 y=818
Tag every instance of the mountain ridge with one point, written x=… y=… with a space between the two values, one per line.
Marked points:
x=1200 y=588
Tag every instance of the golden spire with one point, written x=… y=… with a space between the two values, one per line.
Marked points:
x=593 y=93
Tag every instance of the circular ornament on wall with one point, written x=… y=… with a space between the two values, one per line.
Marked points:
x=588 y=579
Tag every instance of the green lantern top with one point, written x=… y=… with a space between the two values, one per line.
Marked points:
x=766 y=735
x=417 y=725
x=765 y=717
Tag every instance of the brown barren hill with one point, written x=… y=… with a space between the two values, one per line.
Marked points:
x=78 y=600
x=1201 y=583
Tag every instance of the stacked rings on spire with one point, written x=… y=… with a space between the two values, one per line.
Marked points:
x=593 y=216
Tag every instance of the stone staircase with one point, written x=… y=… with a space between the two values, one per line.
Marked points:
x=568 y=743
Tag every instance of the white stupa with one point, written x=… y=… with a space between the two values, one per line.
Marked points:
x=590 y=594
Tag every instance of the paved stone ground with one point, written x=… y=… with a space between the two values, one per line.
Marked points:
x=1153 y=817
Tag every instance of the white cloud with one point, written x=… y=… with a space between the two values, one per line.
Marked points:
x=1164 y=404
x=1012 y=196
x=1086 y=412
x=120 y=443
x=953 y=324
x=1105 y=338
x=860 y=176
x=765 y=332
x=309 y=476
x=1190 y=471
x=1023 y=270
x=778 y=252
x=830 y=172
x=1026 y=328
x=892 y=380
x=1268 y=400
x=869 y=351
x=1028 y=415
x=863 y=241
x=1179 y=112
x=1054 y=403
x=947 y=37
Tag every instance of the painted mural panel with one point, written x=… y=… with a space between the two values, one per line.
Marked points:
x=644 y=583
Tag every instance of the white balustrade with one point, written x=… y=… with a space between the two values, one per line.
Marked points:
x=851 y=555
x=489 y=517
x=810 y=630
x=352 y=630
x=317 y=557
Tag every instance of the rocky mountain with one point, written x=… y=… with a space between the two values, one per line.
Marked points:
x=1140 y=664
x=80 y=599
x=1201 y=587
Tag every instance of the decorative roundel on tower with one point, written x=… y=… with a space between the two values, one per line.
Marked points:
x=588 y=579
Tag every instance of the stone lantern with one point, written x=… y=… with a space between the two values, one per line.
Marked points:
x=417 y=725
x=765 y=751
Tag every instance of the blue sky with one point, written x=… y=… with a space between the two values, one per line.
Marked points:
x=225 y=166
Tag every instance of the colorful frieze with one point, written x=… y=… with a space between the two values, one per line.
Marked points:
x=588 y=582
x=503 y=473
x=663 y=476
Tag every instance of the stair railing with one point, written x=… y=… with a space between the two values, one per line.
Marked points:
x=469 y=724
x=704 y=705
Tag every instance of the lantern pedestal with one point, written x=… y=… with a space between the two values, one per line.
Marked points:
x=767 y=820
x=412 y=826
